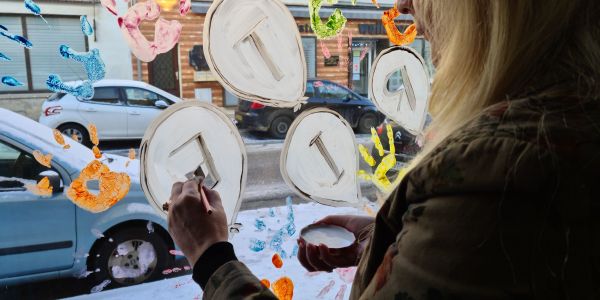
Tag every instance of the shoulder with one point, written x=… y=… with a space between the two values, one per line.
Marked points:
x=512 y=147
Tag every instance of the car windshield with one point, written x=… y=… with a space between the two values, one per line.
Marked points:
x=99 y=123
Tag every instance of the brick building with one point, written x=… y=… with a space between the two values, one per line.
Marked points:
x=174 y=72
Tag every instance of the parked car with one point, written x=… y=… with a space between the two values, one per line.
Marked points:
x=356 y=109
x=121 y=109
x=50 y=237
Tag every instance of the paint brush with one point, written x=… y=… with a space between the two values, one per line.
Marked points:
x=196 y=175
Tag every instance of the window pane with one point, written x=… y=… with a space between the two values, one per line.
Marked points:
x=107 y=95
x=16 y=67
x=332 y=91
x=140 y=97
x=45 y=57
x=310 y=90
x=15 y=166
x=309 y=45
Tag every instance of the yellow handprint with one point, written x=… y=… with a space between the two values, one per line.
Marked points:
x=379 y=177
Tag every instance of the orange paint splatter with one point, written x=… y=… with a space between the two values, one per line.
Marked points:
x=75 y=137
x=112 y=188
x=44 y=160
x=277 y=261
x=93 y=134
x=266 y=283
x=60 y=139
x=97 y=153
x=395 y=36
x=375 y=3
x=42 y=188
x=132 y=154
x=284 y=288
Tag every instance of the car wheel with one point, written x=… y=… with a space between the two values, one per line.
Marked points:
x=280 y=127
x=76 y=131
x=366 y=122
x=130 y=256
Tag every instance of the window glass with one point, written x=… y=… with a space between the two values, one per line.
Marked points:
x=310 y=48
x=17 y=67
x=310 y=90
x=106 y=95
x=45 y=57
x=141 y=97
x=332 y=91
x=17 y=168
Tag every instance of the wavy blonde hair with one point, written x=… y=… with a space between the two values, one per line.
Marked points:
x=494 y=50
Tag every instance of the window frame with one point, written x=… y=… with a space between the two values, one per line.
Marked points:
x=120 y=92
x=29 y=71
x=316 y=55
x=125 y=100
x=65 y=177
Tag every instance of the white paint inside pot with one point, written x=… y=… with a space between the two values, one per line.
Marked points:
x=334 y=237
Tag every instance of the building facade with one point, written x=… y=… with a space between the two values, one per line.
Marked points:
x=32 y=66
x=184 y=71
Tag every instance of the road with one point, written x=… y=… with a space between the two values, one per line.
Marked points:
x=265 y=186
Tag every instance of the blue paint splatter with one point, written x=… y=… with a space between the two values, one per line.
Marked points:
x=34 y=9
x=92 y=62
x=294 y=251
x=271 y=212
x=4 y=57
x=257 y=245
x=276 y=242
x=17 y=38
x=11 y=81
x=291 y=226
x=3 y=27
x=260 y=225
x=86 y=27
x=83 y=90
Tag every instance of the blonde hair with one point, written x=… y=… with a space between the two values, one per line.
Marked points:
x=494 y=50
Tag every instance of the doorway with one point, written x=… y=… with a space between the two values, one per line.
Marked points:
x=163 y=71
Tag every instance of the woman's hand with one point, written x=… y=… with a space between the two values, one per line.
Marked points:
x=192 y=229
x=321 y=258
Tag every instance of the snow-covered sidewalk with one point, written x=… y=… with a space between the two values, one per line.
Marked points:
x=278 y=222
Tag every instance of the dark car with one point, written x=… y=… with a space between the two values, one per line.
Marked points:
x=356 y=109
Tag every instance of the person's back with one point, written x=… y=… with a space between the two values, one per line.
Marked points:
x=499 y=210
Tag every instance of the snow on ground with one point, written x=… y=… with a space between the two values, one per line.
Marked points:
x=320 y=285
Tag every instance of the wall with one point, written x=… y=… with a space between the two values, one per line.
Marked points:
x=108 y=40
x=191 y=35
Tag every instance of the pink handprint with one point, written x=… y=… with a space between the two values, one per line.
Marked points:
x=166 y=33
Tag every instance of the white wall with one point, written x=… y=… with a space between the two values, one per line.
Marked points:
x=108 y=39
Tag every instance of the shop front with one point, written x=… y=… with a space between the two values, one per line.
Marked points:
x=184 y=71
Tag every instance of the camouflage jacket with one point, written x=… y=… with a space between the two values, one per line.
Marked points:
x=507 y=207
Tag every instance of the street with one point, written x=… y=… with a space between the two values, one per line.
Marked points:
x=264 y=182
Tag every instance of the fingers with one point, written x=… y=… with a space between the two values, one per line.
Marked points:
x=190 y=188
x=176 y=190
x=313 y=256
x=214 y=199
x=302 y=256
